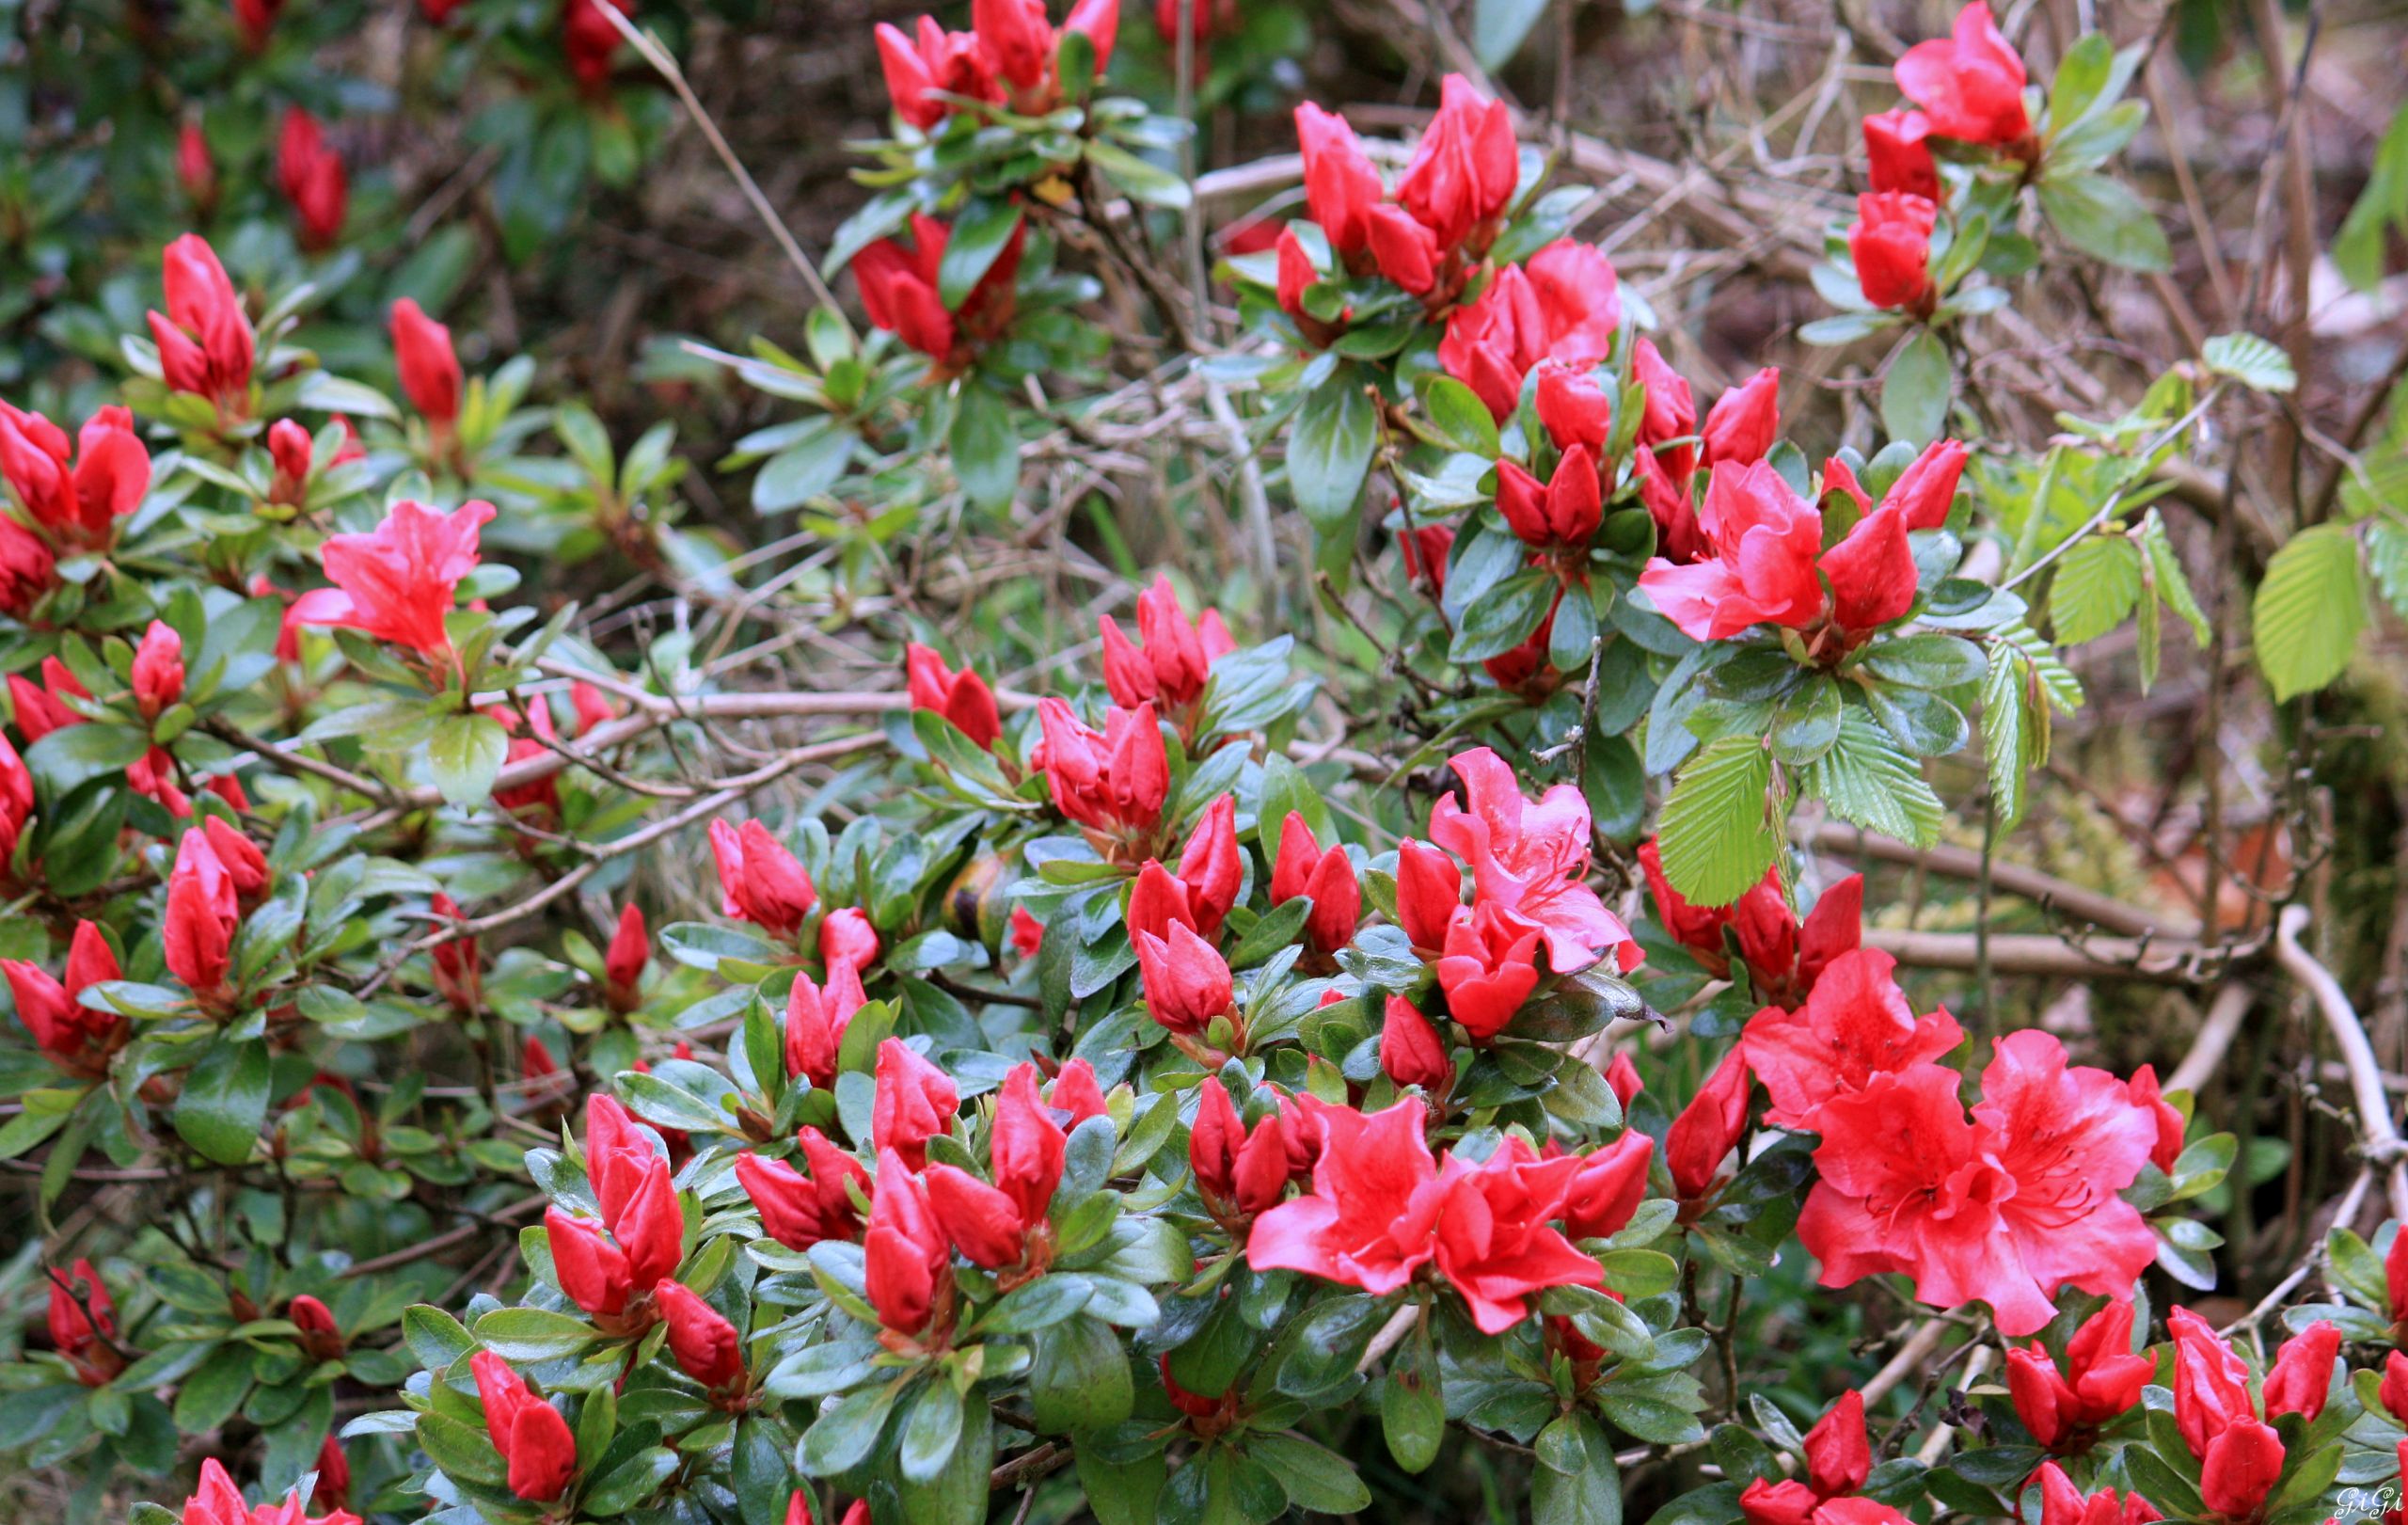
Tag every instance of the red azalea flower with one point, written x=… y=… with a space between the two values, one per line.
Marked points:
x=1971 y=87
x=929 y=61
x=1530 y=857
x=78 y=506
x=1857 y=1025
x=2004 y=1207
x=397 y=582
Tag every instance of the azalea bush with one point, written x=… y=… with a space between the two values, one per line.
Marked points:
x=539 y=999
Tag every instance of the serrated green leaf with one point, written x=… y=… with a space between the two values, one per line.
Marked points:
x=1720 y=827
x=2309 y=610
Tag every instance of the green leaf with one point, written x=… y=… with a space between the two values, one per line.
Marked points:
x=2382 y=210
x=224 y=1101
x=2096 y=585
x=2309 y=609
x=2007 y=733
x=1864 y=778
x=465 y=755
x=534 y=1334
x=1498 y=28
x=930 y=1431
x=802 y=472
x=1317 y=1478
x=843 y=1436
x=986 y=451
x=1459 y=418
x=1504 y=617
x=1576 y=1482
x=1915 y=394
x=2105 y=220
x=957 y=1494
x=1413 y=1407
x=2173 y=583
x=1078 y=1377
x=980 y=233
x=1721 y=825
x=2259 y=364
x=1329 y=451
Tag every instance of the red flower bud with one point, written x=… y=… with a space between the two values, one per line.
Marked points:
x=905 y=1256
x=198 y=933
x=1622 y=1078
x=817 y=1018
x=916 y=1102
x=533 y=1440
x=1899 y=158
x=2239 y=1470
x=1113 y=781
x=846 y=937
x=333 y=1490
x=321 y=1336
x=1609 y=1187
x=194 y=169
x=205 y=342
x=1186 y=983
x=1341 y=185
x=1075 y=1091
x=290 y=446
x=158 y=669
x=1328 y=877
x=430 y=370
x=1429 y=894
x=1745 y=420
x=630 y=950
x=980 y=1220
x=2145 y=1095
x=1177 y=658
x=1026 y=1147
x=962 y=698
x=759 y=879
x=799 y=1211
x=2302 y=1374
x=1488 y=969
x=2394 y=1391
x=83 y=1321
x=1403 y=249
x=1575 y=408
x=1412 y=1052
x=704 y=1343
x=311 y=176
x=1462 y=173
x=1708 y=1128
x=1839 y=1457
x=1891 y=243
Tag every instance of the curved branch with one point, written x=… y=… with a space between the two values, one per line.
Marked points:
x=2381 y=1135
